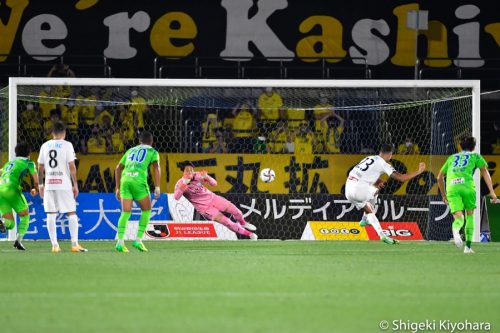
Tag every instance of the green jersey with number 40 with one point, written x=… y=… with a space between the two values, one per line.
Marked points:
x=137 y=161
x=459 y=169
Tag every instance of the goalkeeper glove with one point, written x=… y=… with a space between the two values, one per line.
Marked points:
x=203 y=174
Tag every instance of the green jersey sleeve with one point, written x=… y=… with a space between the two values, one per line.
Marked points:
x=155 y=157
x=444 y=168
x=31 y=168
x=481 y=162
x=123 y=160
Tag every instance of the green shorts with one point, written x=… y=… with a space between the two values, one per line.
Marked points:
x=11 y=198
x=133 y=190
x=461 y=198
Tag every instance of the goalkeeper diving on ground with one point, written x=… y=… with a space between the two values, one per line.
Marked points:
x=207 y=203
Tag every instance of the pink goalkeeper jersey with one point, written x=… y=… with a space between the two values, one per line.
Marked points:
x=200 y=196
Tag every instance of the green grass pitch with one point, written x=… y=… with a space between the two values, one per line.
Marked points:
x=244 y=286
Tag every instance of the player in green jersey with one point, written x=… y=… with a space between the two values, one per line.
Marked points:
x=460 y=193
x=11 y=197
x=131 y=177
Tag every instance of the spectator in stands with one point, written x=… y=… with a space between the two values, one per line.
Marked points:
x=31 y=125
x=304 y=140
x=72 y=121
x=321 y=111
x=279 y=137
x=126 y=128
x=243 y=127
x=270 y=105
x=46 y=102
x=97 y=143
x=295 y=117
x=208 y=129
x=495 y=147
x=332 y=127
x=104 y=115
x=61 y=70
x=138 y=108
x=219 y=145
x=86 y=104
x=55 y=116
x=110 y=131
x=408 y=147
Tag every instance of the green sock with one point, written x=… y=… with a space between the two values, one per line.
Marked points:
x=9 y=224
x=122 y=224
x=143 y=223
x=469 y=230
x=23 y=226
x=458 y=223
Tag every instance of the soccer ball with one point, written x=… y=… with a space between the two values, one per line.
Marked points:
x=267 y=175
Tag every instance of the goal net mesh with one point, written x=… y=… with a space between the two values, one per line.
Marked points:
x=310 y=137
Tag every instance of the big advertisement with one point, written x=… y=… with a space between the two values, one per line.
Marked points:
x=277 y=216
x=130 y=34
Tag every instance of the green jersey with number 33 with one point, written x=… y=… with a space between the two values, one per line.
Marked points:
x=459 y=169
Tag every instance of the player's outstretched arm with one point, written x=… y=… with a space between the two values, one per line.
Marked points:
x=118 y=176
x=181 y=186
x=157 y=175
x=407 y=176
x=440 y=181
x=489 y=183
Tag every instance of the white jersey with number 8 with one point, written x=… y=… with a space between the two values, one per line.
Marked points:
x=56 y=155
x=370 y=169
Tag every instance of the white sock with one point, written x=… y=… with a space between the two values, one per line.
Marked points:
x=121 y=242
x=364 y=217
x=73 y=229
x=375 y=224
x=51 y=227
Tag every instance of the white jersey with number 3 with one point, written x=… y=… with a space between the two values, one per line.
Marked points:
x=56 y=155
x=370 y=169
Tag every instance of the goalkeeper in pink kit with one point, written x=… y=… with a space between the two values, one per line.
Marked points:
x=207 y=203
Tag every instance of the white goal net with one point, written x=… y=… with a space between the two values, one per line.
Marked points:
x=311 y=133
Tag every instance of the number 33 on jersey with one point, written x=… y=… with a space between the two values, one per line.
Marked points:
x=370 y=169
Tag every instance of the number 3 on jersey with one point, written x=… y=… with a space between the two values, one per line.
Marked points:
x=365 y=164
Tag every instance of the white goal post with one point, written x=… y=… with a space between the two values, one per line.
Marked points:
x=473 y=85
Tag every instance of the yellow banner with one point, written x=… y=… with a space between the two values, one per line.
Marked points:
x=326 y=230
x=239 y=173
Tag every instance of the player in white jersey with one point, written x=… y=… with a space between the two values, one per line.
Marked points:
x=363 y=184
x=58 y=185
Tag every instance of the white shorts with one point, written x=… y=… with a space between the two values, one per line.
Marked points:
x=59 y=201
x=359 y=193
